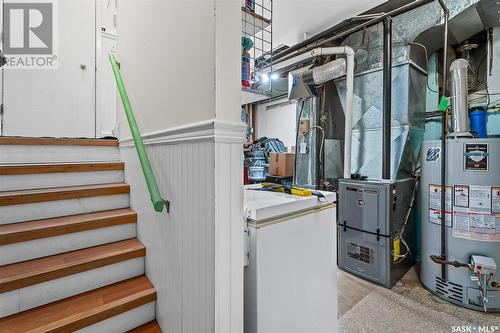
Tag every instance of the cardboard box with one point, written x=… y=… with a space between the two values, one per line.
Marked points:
x=281 y=164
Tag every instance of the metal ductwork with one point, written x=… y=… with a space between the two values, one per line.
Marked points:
x=459 y=102
x=300 y=81
x=423 y=25
x=329 y=71
x=415 y=34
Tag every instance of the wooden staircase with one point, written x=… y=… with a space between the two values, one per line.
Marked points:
x=69 y=256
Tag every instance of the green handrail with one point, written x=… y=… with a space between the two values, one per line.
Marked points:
x=158 y=202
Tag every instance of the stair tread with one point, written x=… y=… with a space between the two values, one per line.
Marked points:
x=43 y=168
x=17 y=140
x=26 y=273
x=76 y=312
x=30 y=230
x=151 y=327
x=61 y=193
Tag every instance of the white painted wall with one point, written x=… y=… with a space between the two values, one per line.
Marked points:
x=277 y=120
x=181 y=63
x=167 y=64
x=227 y=60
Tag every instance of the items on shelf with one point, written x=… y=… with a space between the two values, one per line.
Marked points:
x=246 y=45
x=250 y=4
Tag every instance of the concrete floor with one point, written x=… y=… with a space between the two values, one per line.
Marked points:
x=352 y=290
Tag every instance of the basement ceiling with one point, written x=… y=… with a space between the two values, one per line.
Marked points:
x=293 y=18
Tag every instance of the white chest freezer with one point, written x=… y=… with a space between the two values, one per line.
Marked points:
x=290 y=279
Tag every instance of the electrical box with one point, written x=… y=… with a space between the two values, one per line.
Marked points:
x=371 y=215
x=483 y=265
x=304 y=126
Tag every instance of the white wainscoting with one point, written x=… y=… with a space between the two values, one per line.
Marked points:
x=194 y=254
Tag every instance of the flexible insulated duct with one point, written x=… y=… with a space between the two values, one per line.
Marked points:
x=329 y=71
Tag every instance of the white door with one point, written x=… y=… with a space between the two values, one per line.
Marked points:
x=55 y=102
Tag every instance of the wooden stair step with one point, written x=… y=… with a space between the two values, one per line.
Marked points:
x=17 y=140
x=26 y=273
x=31 y=230
x=76 y=312
x=151 y=327
x=28 y=169
x=61 y=193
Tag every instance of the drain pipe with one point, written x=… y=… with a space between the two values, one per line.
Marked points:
x=349 y=53
x=444 y=133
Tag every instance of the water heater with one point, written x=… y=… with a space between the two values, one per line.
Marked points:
x=472 y=221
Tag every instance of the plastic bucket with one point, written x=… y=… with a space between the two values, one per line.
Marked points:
x=257 y=171
x=478 y=118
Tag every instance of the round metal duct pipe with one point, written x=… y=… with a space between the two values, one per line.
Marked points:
x=459 y=98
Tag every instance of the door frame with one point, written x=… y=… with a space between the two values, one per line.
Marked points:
x=105 y=120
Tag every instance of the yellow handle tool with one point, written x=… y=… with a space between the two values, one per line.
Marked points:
x=288 y=189
x=300 y=191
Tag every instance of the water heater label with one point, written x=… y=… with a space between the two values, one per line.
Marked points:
x=461 y=218
x=495 y=200
x=435 y=204
x=461 y=197
x=479 y=221
x=476 y=157
x=480 y=198
x=482 y=223
x=476 y=226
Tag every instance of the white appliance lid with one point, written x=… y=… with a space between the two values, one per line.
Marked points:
x=266 y=205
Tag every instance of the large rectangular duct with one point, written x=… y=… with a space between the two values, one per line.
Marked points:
x=407 y=121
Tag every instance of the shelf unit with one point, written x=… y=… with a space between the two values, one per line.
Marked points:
x=256 y=25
